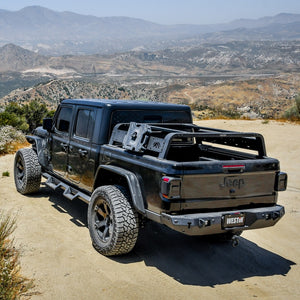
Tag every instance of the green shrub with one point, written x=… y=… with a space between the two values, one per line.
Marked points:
x=265 y=122
x=26 y=117
x=293 y=113
x=297 y=101
x=12 y=119
x=5 y=174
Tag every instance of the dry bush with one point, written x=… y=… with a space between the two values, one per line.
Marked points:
x=12 y=284
x=11 y=140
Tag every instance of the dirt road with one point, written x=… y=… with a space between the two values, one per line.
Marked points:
x=57 y=251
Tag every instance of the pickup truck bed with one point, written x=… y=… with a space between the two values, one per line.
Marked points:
x=197 y=177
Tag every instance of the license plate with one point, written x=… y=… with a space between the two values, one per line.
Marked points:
x=234 y=220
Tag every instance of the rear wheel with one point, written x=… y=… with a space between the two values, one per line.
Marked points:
x=112 y=221
x=27 y=171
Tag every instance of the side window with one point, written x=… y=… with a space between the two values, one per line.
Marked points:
x=63 y=120
x=85 y=123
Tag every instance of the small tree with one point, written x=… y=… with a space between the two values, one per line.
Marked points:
x=26 y=117
x=34 y=113
x=13 y=115
x=14 y=108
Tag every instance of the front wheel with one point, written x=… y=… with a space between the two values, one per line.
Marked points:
x=27 y=171
x=112 y=221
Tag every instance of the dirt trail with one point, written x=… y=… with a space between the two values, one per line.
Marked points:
x=57 y=251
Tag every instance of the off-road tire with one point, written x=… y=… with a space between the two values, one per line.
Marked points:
x=27 y=171
x=112 y=221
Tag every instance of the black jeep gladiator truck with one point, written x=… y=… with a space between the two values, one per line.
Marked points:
x=135 y=160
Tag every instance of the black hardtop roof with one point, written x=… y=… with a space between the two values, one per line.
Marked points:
x=126 y=104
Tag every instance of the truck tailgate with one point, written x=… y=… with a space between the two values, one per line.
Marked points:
x=206 y=186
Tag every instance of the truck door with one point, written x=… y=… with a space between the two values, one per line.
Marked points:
x=60 y=140
x=80 y=166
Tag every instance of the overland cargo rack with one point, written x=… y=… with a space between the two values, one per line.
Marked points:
x=158 y=139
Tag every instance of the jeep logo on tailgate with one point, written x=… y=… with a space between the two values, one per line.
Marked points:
x=232 y=183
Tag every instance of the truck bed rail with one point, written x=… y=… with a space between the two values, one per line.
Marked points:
x=159 y=138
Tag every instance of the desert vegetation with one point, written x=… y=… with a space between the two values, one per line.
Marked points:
x=24 y=117
x=293 y=113
x=16 y=120
x=211 y=97
x=256 y=98
x=13 y=284
x=11 y=139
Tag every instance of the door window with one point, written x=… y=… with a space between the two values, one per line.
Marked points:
x=63 y=120
x=85 y=123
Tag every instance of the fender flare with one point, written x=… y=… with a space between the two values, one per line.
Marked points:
x=34 y=140
x=133 y=184
x=38 y=145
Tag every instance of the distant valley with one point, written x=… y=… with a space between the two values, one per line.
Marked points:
x=252 y=79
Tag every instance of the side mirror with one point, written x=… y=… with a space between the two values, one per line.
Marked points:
x=47 y=124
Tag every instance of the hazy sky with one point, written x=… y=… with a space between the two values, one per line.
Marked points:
x=167 y=11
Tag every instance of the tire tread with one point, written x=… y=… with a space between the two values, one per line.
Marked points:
x=126 y=221
x=32 y=172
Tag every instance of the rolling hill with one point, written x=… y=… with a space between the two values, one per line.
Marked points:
x=209 y=59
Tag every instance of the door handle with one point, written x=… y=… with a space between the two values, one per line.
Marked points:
x=82 y=152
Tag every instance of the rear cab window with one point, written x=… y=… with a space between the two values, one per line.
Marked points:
x=149 y=116
x=85 y=123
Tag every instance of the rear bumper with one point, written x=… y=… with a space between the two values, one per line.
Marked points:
x=213 y=222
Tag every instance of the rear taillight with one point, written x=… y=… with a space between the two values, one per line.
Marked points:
x=281 y=181
x=233 y=168
x=170 y=187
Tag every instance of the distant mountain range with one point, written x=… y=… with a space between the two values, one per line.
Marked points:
x=56 y=33
x=239 y=57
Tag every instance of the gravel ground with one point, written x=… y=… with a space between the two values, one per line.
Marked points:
x=56 y=249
